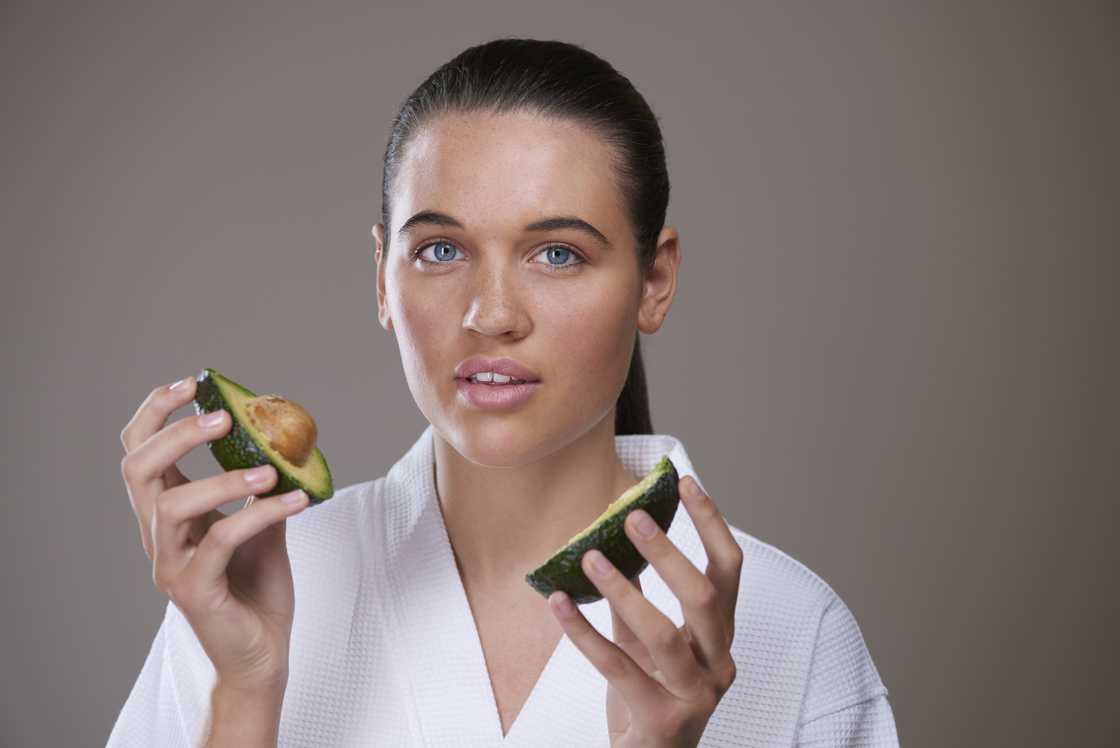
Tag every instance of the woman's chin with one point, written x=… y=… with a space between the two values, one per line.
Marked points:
x=498 y=445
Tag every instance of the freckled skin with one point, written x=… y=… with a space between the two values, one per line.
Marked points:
x=496 y=173
x=493 y=291
x=514 y=486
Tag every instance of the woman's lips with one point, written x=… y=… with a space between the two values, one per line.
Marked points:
x=494 y=396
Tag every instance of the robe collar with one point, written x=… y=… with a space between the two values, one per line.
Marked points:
x=446 y=668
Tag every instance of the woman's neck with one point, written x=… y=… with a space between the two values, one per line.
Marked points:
x=504 y=522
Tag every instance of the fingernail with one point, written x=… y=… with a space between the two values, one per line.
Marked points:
x=258 y=474
x=295 y=497
x=180 y=383
x=643 y=523
x=692 y=489
x=564 y=604
x=599 y=564
x=210 y=420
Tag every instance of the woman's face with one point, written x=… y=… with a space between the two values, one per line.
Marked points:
x=559 y=301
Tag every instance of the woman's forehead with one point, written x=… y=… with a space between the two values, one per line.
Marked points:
x=466 y=164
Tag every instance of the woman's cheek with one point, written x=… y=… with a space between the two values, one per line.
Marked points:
x=422 y=331
x=597 y=342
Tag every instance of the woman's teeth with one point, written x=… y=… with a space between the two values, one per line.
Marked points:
x=487 y=377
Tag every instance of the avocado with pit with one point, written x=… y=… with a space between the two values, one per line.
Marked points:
x=657 y=493
x=266 y=430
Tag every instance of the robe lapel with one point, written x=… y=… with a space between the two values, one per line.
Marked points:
x=452 y=704
x=440 y=648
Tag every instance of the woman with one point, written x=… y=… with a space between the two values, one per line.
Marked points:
x=522 y=235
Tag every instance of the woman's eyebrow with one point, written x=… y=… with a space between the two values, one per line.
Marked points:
x=435 y=218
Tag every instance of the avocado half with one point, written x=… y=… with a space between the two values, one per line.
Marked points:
x=656 y=493
x=266 y=430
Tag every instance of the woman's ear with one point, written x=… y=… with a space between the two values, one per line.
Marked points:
x=660 y=285
x=379 y=256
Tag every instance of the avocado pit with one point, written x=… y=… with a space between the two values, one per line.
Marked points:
x=289 y=428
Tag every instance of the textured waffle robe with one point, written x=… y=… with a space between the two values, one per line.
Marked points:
x=385 y=652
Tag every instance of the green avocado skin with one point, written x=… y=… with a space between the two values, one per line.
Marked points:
x=237 y=450
x=564 y=572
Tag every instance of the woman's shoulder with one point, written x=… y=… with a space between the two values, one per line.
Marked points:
x=799 y=651
x=772 y=582
x=789 y=617
x=331 y=542
x=769 y=569
x=785 y=595
x=783 y=606
x=348 y=516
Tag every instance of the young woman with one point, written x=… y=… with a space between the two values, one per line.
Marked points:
x=522 y=235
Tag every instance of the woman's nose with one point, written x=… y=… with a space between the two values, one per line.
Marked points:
x=496 y=306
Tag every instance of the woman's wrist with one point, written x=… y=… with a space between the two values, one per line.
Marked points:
x=245 y=714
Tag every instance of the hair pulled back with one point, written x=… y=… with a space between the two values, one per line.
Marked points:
x=564 y=81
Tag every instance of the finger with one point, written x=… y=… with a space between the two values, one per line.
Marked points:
x=627 y=640
x=161 y=450
x=178 y=510
x=154 y=411
x=148 y=462
x=670 y=651
x=148 y=420
x=725 y=556
x=208 y=564
x=173 y=477
x=645 y=697
x=701 y=602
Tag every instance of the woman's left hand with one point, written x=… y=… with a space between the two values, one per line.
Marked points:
x=664 y=681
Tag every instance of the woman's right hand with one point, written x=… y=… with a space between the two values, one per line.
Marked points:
x=229 y=575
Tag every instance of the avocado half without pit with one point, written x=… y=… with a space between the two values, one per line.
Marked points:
x=656 y=493
x=266 y=430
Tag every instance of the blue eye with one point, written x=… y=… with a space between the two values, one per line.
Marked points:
x=440 y=256
x=445 y=251
x=565 y=253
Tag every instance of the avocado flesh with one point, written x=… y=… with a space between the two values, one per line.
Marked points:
x=656 y=493
x=245 y=446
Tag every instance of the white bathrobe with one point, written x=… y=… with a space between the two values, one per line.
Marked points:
x=384 y=649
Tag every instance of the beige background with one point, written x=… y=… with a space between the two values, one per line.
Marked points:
x=893 y=353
